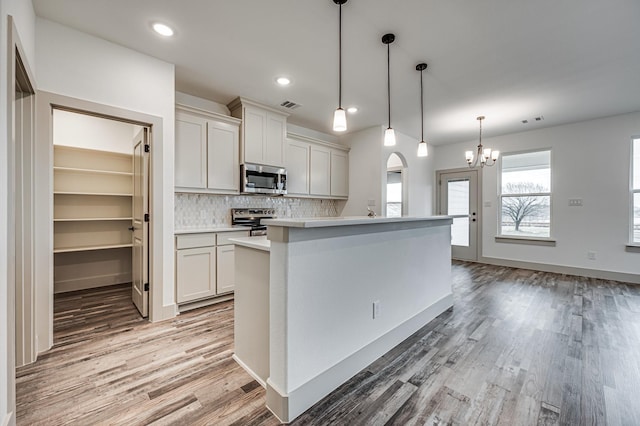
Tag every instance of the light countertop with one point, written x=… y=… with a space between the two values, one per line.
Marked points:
x=321 y=222
x=208 y=230
x=258 y=243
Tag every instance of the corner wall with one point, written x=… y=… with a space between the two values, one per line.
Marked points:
x=589 y=160
x=368 y=173
x=81 y=66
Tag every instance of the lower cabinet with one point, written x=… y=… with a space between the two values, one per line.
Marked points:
x=205 y=265
x=196 y=273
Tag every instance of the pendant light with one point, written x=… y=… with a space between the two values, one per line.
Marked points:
x=422 y=145
x=340 y=116
x=389 y=134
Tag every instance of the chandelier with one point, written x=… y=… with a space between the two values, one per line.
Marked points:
x=486 y=155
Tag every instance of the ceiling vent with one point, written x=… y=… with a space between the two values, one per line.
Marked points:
x=290 y=105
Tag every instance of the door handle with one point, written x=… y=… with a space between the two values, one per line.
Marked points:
x=132 y=228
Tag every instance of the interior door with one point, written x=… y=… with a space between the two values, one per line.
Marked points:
x=458 y=197
x=140 y=226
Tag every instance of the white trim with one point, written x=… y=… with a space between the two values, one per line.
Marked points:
x=623 y=277
x=304 y=138
x=249 y=371
x=8 y=419
x=513 y=239
x=632 y=248
x=288 y=407
x=208 y=114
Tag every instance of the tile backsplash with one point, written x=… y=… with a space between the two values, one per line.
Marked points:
x=194 y=211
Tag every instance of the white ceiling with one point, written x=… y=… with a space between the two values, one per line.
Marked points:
x=567 y=60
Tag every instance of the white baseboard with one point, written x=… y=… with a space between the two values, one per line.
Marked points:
x=287 y=407
x=9 y=420
x=249 y=371
x=567 y=270
x=91 y=282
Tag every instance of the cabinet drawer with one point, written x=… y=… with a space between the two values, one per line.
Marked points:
x=195 y=240
x=223 y=237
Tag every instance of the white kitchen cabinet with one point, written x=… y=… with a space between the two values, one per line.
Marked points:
x=297 y=167
x=316 y=168
x=319 y=171
x=206 y=152
x=223 y=167
x=191 y=151
x=196 y=273
x=263 y=132
x=339 y=173
x=205 y=265
x=225 y=282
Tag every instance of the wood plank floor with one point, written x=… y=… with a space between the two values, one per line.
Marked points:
x=518 y=347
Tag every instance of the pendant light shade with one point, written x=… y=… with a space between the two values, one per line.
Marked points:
x=339 y=120
x=422 y=145
x=389 y=134
x=389 y=137
x=339 y=116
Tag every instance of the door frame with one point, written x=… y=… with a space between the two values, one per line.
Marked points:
x=46 y=102
x=9 y=321
x=480 y=203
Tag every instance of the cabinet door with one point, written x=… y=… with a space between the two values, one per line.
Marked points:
x=190 y=151
x=226 y=277
x=274 y=151
x=339 y=174
x=319 y=177
x=223 y=159
x=195 y=273
x=298 y=167
x=254 y=122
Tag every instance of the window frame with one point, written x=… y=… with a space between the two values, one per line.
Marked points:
x=632 y=191
x=525 y=238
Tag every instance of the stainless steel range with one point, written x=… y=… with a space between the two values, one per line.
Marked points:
x=252 y=218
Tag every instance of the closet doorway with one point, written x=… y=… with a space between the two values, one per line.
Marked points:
x=100 y=204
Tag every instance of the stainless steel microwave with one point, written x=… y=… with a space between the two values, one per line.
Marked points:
x=259 y=179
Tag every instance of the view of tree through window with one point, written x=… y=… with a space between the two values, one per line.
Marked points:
x=525 y=194
x=635 y=190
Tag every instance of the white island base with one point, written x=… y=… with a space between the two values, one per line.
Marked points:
x=343 y=292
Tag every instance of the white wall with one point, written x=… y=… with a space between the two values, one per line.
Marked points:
x=24 y=17
x=590 y=160
x=368 y=172
x=81 y=66
x=89 y=132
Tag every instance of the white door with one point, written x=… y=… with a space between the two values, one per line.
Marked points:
x=140 y=226
x=458 y=197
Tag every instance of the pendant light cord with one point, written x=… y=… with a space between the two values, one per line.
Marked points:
x=421 y=109
x=389 y=82
x=340 y=59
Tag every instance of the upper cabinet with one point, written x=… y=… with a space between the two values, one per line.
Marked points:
x=316 y=168
x=263 y=132
x=207 y=151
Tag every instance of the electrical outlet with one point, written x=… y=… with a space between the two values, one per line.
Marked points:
x=376 y=309
x=591 y=255
x=575 y=202
x=487 y=203
x=371 y=203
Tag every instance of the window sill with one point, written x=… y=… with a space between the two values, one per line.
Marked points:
x=633 y=248
x=535 y=241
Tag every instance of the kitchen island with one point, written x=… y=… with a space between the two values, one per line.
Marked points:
x=344 y=291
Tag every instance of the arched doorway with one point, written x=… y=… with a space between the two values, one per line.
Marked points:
x=396 y=200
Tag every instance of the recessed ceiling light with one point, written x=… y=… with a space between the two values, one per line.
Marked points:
x=163 y=29
x=283 y=81
x=352 y=110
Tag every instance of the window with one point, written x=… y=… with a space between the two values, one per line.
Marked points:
x=635 y=193
x=525 y=194
x=394 y=193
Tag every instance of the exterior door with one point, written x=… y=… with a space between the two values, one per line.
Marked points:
x=140 y=226
x=458 y=197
